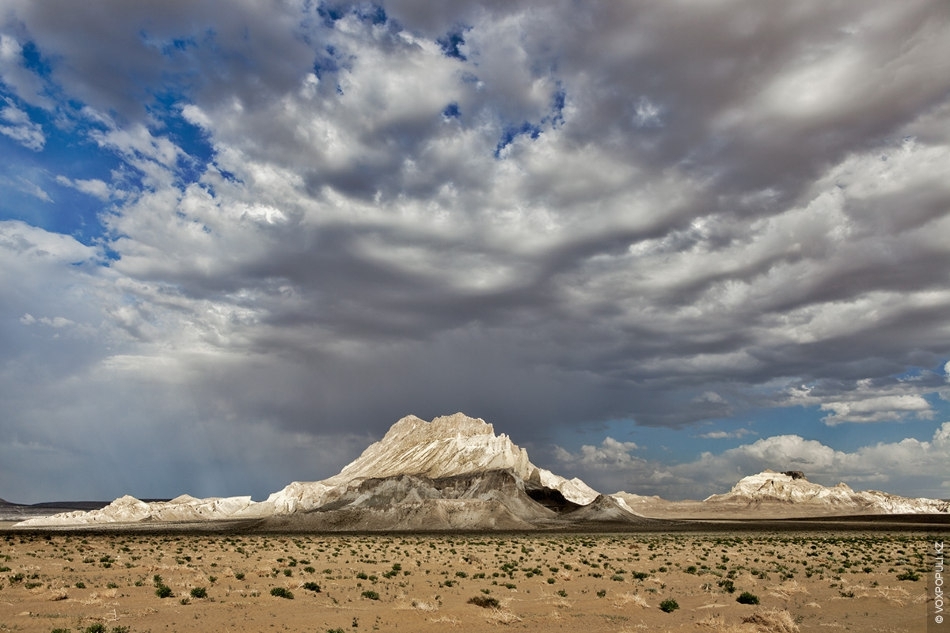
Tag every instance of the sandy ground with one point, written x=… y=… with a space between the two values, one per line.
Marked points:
x=804 y=581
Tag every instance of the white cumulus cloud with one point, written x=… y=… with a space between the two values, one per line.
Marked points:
x=16 y=124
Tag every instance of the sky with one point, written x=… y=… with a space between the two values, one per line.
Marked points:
x=661 y=245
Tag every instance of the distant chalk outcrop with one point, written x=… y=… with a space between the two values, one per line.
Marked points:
x=789 y=494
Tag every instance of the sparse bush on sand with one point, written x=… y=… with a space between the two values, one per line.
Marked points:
x=486 y=602
x=669 y=605
x=747 y=598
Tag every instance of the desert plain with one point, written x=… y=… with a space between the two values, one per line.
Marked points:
x=723 y=580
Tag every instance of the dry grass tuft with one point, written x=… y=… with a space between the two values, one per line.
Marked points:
x=787 y=589
x=498 y=616
x=897 y=595
x=715 y=622
x=772 y=621
x=626 y=599
x=58 y=594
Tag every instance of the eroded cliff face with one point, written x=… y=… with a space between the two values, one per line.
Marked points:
x=447 y=446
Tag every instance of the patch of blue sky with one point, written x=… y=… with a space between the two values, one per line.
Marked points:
x=166 y=112
x=179 y=45
x=33 y=180
x=808 y=423
x=553 y=119
x=328 y=62
x=452 y=111
x=451 y=44
x=558 y=101
x=653 y=443
x=330 y=13
x=169 y=47
x=34 y=61
x=371 y=12
x=685 y=445
x=510 y=133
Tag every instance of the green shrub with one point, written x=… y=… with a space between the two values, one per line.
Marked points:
x=669 y=605
x=163 y=591
x=371 y=595
x=747 y=598
x=280 y=592
x=312 y=586
x=908 y=575
x=199 y=592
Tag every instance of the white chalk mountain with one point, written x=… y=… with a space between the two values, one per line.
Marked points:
x=453 y=473
x=789 y=494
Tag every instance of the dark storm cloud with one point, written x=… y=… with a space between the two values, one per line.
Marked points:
x=545 y=214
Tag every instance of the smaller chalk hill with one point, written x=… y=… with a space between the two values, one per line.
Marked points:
x=789 y=494
x=453 y=473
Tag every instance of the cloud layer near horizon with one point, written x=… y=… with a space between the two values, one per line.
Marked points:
x=618 y=465
x=312 y=220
